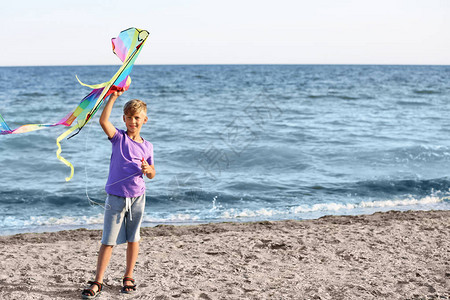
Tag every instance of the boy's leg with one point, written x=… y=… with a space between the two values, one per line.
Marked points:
x=104 y=257
x=132 y=255
x=133 y=234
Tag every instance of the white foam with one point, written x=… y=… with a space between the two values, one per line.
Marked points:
x=405 y=202
x=50 y=221
x=172 y=218
x=329 y=207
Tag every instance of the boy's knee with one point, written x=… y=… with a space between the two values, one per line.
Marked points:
x=132 y=244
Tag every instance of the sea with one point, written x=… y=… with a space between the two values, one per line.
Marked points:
x=233 y=143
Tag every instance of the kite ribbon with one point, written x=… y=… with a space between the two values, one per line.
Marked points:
x=58 y=152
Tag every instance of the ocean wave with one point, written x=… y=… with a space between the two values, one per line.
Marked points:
x=328 y=208
x=318 y=96
x=423 y=153
x=413 y=103
x=9 y=222
x=369 y=204
x=385 y=188
x=171 y=218
x=40 y=198
x=426 y=92
x=219 y=213
x=346 y=97
x=34 y=94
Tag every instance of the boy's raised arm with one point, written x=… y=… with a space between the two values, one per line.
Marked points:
x=107 y=126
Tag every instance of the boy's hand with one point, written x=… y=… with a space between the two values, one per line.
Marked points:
x=148 y=170
x=116 y=94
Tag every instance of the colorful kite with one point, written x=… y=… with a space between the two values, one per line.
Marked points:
x=127 y=47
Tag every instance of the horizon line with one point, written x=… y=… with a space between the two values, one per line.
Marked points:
x=235 y=64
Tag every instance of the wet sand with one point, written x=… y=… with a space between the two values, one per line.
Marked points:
x=393 y=255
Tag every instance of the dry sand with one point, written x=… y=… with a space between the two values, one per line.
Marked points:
x=393 y=255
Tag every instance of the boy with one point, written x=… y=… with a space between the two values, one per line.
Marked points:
x=131 y=159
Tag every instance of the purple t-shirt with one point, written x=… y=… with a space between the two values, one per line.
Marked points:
x=125 y=174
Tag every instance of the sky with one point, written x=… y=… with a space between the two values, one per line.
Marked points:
x=60 y=32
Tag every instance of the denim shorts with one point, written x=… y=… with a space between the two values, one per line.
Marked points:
x=123 y=218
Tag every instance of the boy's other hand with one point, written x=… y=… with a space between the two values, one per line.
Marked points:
x=147 y=169
x=145 y=166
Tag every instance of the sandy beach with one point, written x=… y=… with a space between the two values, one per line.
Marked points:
x=393 y=255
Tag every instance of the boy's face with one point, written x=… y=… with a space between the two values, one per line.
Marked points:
x=135 y=121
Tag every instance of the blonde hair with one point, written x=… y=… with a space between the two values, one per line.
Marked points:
x=134 y=106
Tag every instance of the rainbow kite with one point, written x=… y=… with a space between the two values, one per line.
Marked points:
x=127 y=47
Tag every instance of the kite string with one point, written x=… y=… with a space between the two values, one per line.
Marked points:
x=137 y=173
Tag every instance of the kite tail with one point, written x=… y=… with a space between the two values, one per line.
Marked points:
x=58 y=152
x=4 y=125
x=93 y=86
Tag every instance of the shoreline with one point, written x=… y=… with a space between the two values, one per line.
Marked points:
x=38 y=229
x=386 y=255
